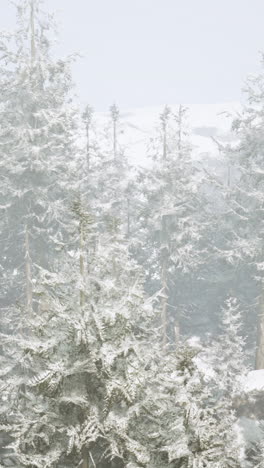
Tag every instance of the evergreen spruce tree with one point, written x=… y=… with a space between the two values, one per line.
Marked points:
x=230 y=356
x=36 y=144
x=211 y=432
x=83 y=362
x=259 y=459
x=185 y=426
x=172 y=225
x=114 y=176
x=245 y=202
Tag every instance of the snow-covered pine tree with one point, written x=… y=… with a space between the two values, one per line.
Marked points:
x=230 y=359
x=213 y=440
x=86 y=364
x=259 y=456
x=171 y=219
x=87 y=117
x=183 y=425
x=36 y=143
x=245 y=203
x=115 y=179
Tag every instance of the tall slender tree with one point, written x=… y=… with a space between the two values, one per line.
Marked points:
x=171 y=216
x=245 y=203
x=36 y=143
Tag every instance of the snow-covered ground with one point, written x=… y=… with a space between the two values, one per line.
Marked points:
x=254 y=381
x=205 y=121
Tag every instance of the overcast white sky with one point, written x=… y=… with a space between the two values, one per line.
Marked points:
x=152 y=52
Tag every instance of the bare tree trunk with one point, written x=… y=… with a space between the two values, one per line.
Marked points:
x=28 y=275
x=85 y=458
x=259 y=364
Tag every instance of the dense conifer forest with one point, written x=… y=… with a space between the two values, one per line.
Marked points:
x=132 y=306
